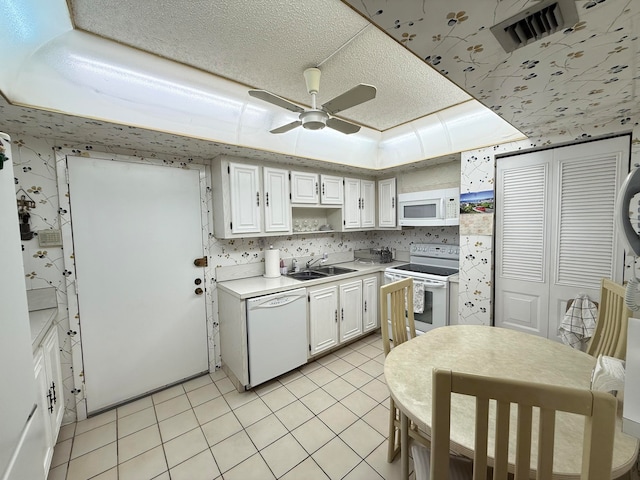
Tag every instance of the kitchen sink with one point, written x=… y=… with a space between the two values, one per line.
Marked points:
x=307 y=275
x=320 y=272
x=332 y=270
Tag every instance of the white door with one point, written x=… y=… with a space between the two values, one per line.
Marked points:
x=245 y=198
x=555 y=231
x=331 y=192
x=277 y=205
x=368 y=204
x=304 y=187
x=352 y=203
x=323 y=319
x=137 y=230
x=370 y=303
x=387 y=202
x=350 y=310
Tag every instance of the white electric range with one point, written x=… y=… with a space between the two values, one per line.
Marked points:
x=430 y=265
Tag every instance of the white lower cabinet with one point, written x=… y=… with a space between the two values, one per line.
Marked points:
x=341 y=312
x=323 y=318
x=46 y=365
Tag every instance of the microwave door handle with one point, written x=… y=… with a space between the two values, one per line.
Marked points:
x=442 y=208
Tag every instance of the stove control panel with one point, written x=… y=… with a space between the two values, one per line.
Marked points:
x=435 y=250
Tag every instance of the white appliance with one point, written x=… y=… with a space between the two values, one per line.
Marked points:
x=429 y=208
x=22 y=446
x=430 y=265
x=276 y=334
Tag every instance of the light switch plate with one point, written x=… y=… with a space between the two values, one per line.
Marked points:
x=50 y=238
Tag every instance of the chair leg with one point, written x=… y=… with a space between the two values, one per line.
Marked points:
x=394 y=434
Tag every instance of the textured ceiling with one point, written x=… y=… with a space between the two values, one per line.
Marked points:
x=580 y=81
x=267 y=45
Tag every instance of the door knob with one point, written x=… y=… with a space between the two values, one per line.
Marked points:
x=199 y=291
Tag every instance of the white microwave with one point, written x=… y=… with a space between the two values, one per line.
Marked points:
x=429 y=208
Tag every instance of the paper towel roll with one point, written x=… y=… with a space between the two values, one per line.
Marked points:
x=272 y=263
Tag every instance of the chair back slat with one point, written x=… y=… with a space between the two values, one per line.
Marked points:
x=546 y=432
x=598 y=408
x=394 y=298
x=610 y=336
x=501 y=454
x=523 y=442
x=481 y=438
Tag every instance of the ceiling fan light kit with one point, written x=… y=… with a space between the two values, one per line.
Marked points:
x=317 y=118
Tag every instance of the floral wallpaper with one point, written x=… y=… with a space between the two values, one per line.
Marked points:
x=40 y=170
x=578 y=81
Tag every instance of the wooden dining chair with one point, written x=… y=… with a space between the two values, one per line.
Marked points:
x=610 y=335
x=396 y=317
x=598 y=408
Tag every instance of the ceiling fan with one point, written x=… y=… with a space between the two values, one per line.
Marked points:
x=317 y=118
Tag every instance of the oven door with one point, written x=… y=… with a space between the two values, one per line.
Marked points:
x=435 y=306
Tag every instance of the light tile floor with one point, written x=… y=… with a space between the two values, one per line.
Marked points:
x=325 y=420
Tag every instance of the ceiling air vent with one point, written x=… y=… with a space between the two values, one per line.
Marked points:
x=535 y=23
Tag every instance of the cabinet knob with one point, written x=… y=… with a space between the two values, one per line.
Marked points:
x=197 y=281
x=266 y=199
x=393 y=202
x=198 y=291
x=342 y=314
x=365 y=305
x=258 y=198
x=316 y=188
x=336 y=316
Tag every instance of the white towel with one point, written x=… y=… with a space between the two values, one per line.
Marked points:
x=579 y=322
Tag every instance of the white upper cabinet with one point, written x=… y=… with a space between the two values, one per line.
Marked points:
x=244 y=183
x=277 y=206
x=249 y=200
x=304 y=188
x=359 y=203
x=387 y=203
x=331 y=191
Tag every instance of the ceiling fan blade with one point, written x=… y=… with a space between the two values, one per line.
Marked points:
x=342 y=126
x=357 y=95
x=287 y=127
x=276 y=100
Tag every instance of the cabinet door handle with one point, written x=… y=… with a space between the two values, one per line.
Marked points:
x=363 y=203
x=336 y=316
x=267 y=199
x=258 y=198
x=342 y=314
x=316 y=188
x=50 y=398
x=393 y=202
x=365 y=305
x=359 y=203
x=322 y=188
x=53 y=390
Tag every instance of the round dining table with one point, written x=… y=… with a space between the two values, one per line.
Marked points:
x=503 y=353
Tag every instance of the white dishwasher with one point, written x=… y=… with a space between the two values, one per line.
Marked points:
x=276 y=334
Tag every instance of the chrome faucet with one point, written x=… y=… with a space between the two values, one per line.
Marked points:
x=321 y=260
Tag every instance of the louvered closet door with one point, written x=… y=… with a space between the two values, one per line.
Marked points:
x=555 y=232
x=584 y=243
x=522 y=282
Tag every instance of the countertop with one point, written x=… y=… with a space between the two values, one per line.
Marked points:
x=40 y=321
x=257 y=286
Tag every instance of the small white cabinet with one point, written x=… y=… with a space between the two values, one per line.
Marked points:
x=304 y=188
x=313 y=189
x=359 y=203
x=387 y=203
x=331 y=190
x=46 y=365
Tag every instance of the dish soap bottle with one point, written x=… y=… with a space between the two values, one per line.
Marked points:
x=283 y=269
